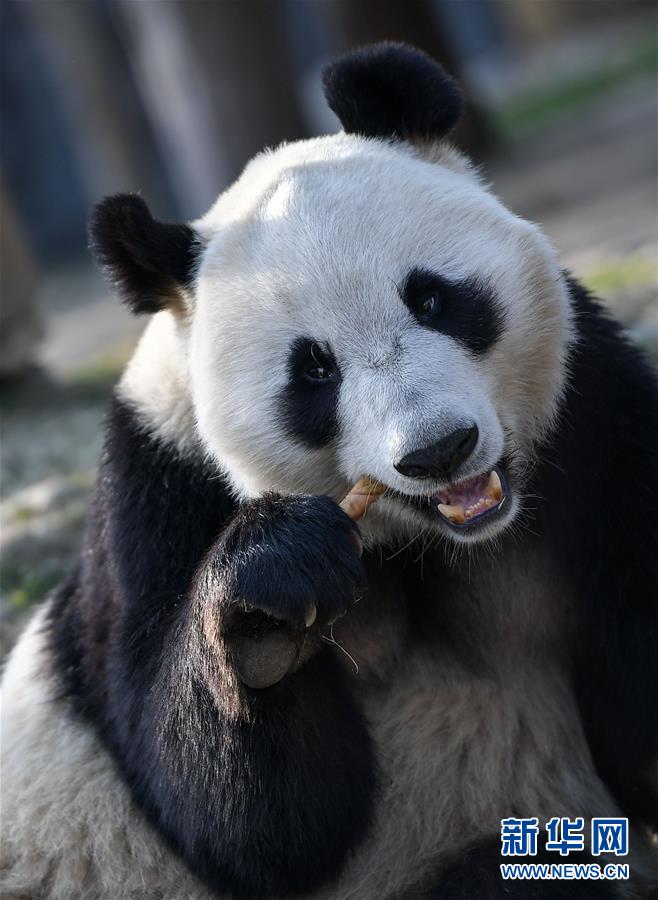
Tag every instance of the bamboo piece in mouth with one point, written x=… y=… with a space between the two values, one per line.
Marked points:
x=359 y=497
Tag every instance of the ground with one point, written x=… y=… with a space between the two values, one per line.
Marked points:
x=588 y=176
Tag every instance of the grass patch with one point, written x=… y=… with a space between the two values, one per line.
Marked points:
x=624 y=275
x=537 y=106
x=89 y=385
x=22 y=590
x=25 y=513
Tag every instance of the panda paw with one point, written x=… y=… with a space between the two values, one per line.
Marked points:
x=295 y=558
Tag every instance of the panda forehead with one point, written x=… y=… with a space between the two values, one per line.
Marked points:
x=357 y=195
x=336 y=224
x=368 y=204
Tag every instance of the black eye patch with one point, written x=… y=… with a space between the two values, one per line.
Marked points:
x=309 y=400
x=464 y=310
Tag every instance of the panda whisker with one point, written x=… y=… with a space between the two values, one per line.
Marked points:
x=429 y=542
x=330 y=639
x=554 y=465
x=424 y=535
x=370 y=493
x=406 y=546
x=454 y=553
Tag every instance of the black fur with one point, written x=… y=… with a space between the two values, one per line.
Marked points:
x=266 y=792
x=466 y=310
x=309 y=410
x=477 y=875
x=391 y=90
x=271 y=553
x=153 y=518
x=147 y=261
x=263 y=793
x=598 y=476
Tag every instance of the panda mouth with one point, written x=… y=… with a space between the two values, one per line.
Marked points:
x=474 y=501
x=469 y=504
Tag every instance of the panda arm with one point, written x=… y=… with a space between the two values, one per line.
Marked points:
x=262 y=792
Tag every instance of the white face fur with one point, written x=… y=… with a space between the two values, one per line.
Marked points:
x=314 y=241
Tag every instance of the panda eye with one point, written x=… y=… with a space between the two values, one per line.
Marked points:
x=320 y=368
x=317 y=373
x=428 y=306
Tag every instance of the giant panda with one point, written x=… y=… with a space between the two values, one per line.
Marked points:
x=238 y=691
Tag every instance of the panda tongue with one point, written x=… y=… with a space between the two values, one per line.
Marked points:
x=465 y=501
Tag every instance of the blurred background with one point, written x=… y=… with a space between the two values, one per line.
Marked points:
x=172 y=97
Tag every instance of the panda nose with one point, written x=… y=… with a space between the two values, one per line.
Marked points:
x=440 y=460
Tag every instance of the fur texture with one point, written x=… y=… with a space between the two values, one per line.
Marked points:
x=466 y=312
x=425 y=690
x=70 y=828
x=150 y=664
x=616 y=615
x=148 y=262
x=465 y=690
x=392 y=90
x=308 y=407
x=326 y=250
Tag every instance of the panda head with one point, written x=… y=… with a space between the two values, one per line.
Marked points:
x=355 y=304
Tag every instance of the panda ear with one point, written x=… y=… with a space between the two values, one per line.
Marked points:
x=392 y=90
x=150 y=263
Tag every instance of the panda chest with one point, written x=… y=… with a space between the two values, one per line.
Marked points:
x=465 y=733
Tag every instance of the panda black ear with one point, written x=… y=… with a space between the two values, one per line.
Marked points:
x=392 y=90
x=149 y=262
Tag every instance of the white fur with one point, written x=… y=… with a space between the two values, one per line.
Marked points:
x=312 y=241
x=156 y=381
x=458 y=751
x=70 y=830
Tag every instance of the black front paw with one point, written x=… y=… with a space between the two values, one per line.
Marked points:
x=296 y=559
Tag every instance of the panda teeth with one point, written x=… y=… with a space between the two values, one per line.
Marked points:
x=491 y=496
x=494 y=489
x=453 y=512
x=479 y=506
